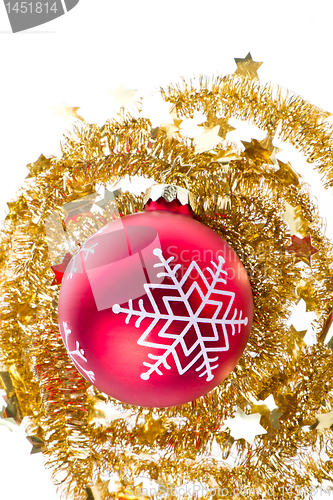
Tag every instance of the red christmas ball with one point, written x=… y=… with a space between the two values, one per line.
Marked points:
x=156 y=308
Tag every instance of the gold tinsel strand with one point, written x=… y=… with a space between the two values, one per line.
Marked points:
x=243 y=199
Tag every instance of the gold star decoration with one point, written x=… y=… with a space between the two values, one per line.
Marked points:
x=81 y=205
x=302 y=320
x=17 y=208
x=244 y=426
x=152 y=430
x=267 y=143
x=257 y=153
x=287 y=174
x=207 y=141
x=296 y=340
x=323 y=421
x=8 y=398
x=247 y=67
x=38 y=445
x=41 y=165
x=225 y=156
x=172 y=128
x=109 y=196
x=192 y=127
x=123 y=96
x=99 y=490
x=302 y=249
x=66 y=112
x=268 y=410
x=212 y=121
x=293 y=217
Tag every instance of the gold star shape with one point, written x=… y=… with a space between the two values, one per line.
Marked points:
x=123 y=96
x=274 y=418
x=192 y=127
x=302 y=320
x=172 y=128
x=41 y=165
x=269 y=403
x=207 y=141
x=257 y=153
x=152 y=430
x=108 y=196
x=293 y=217
x=244 y=426
x=267 y=143
x=247 y=67
x=16 y=208
x=302 y=249
x=287 y=174
x=100 y=489
x=213 y=121
x=296 y=340
x=38 y=445
x=268 y=410
x=66 y=112
x=225 y=156
x=325 y=420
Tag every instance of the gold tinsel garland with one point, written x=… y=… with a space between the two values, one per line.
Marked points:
x=242 y=195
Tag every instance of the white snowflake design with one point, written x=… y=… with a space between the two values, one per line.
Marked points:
x=88 y=251
x=78 y=352
x=192 y=319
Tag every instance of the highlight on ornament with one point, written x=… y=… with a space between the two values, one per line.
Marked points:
x=144 y=326
x=179 y=339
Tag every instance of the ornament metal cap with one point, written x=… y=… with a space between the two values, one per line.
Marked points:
x=170 y=192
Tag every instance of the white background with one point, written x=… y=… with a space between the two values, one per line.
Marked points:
x=100 y=44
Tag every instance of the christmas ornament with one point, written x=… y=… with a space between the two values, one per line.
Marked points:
x=156 y=309
x=255 y=208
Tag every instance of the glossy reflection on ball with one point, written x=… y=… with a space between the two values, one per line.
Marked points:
x=156 y=308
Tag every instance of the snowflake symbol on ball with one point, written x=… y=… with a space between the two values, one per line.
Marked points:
x=191 y=319
x=77 y=353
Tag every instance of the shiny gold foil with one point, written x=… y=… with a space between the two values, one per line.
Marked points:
x=256 y=208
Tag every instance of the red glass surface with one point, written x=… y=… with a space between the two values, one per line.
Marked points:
x=106 y=308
